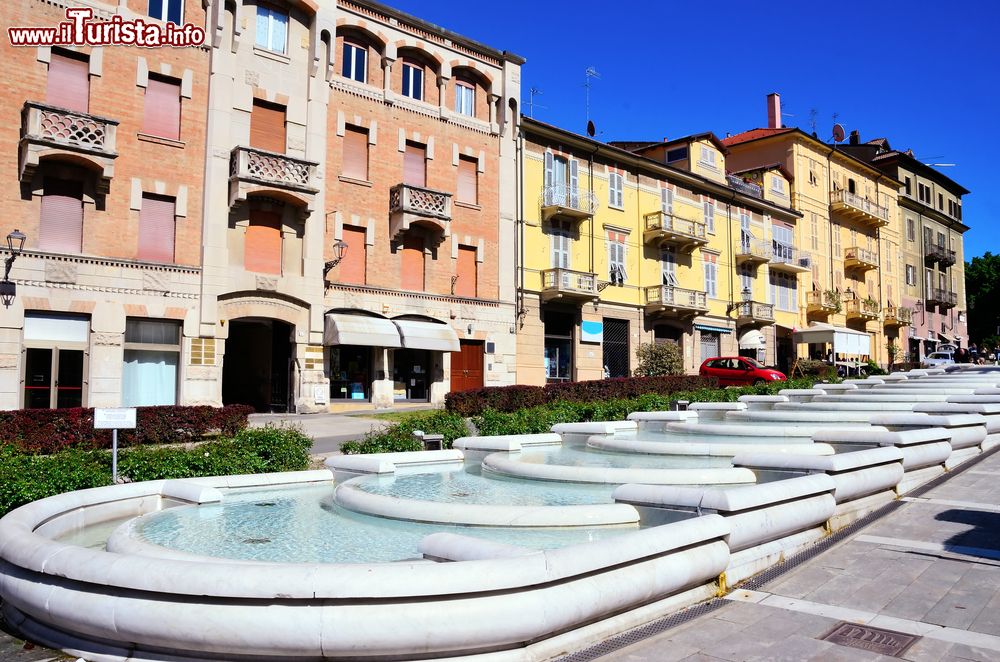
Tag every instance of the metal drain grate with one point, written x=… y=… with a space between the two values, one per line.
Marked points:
x=866 y=637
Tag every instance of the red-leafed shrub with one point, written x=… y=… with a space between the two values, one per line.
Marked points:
x=50 y=430
x=513 y=398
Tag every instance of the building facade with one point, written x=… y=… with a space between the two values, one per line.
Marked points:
x=850 y=223
x=618 y=247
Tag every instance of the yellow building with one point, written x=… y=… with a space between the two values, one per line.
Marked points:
x=850 y=226
x=635 y=243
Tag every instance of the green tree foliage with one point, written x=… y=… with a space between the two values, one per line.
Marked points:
x=658 y=359
x=982 y=292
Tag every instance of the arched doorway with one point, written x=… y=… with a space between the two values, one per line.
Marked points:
x=257 y=369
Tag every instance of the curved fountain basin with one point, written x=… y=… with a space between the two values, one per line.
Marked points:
x=646 y=444
x=853 y=404
x=822 y=419
x=507 y=465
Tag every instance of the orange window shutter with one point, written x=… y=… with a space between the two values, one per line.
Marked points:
x=468 y=181
x=267 y=126
x=162 y=112
x=68 y=83
x=466 y=285
x=413 y=264
x=352 y=267
x=61 y=223
x=262 y=246
x=415 y=165
x=356 y=153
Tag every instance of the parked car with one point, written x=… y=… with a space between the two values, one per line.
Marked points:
x=936 y=359
x=739 y=371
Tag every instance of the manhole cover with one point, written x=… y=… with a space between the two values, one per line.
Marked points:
x=866 y=637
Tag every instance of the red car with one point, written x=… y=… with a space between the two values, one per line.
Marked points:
x=739 y=371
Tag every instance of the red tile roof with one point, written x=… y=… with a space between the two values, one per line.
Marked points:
x=753 y=134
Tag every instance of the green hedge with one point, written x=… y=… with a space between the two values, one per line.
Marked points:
x=532 y=420
x=26 y=477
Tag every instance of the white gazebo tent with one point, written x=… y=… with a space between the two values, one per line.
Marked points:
x=844 y=340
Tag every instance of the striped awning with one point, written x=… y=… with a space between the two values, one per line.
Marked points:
x=434 y=336
x=347 y=329
x=713 y=329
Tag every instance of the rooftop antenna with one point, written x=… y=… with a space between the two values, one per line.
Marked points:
x=590 y=73
x=813 y=114
x=534 y=91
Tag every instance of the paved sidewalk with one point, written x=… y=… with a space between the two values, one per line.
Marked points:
x=328 y=431
x=930 y=568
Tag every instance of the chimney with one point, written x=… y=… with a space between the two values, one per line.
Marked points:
x=774 y=110
x=855 y=138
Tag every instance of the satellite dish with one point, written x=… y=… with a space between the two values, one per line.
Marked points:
x=591 y=129
x=838 y=133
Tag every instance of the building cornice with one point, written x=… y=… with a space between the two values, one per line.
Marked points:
x=914 y=205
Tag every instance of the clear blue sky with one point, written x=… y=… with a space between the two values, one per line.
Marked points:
x=925 y=75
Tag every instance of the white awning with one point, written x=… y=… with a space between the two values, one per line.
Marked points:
x=844 y=340
x=752 y=339
x=427 y=335
x=345 y=329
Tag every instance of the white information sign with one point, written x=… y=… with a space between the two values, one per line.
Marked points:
x=321 y=395
x=114 y=419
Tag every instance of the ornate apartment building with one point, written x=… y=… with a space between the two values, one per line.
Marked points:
x=350 y=242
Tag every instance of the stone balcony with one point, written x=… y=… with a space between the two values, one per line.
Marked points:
x=935 y=253
x=822 y=304
x=789 y=259
x=858 y=208
x=754 y=251
x=253 y=170
x=49 y=131
x=668 y=299
x=567 y=203
x=860 y=259
x=415 y=205
x=663 y=229
x=895 y=317
x=754 y=312
x=568 y=285
x=746 y=188
x=863 y=310
x=942 y=298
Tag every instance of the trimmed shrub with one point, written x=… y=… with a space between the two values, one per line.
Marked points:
x=399 y=438
x=25 y=477
x=656 y=359
x=515 y=398
x=51 y=430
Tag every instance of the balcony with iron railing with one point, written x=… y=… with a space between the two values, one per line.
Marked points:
x=668 y=299
x=746 y=188
x=569 y=285
x=415 y=205
x=48 y=130
x=753 y=251
x=787 y=258
x=567 y=202
x=253 y=170
x=822 y=303
x=942 y=298
x=858 y=208
x=898 y=316
x=663 y=229
x=754 y=312
x=935 y=253
x=860 y=258
x=863 y=309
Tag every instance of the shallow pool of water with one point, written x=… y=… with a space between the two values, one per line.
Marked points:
x=578 y=456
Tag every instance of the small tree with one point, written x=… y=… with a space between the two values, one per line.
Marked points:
x=658 y=359
x=892 y=351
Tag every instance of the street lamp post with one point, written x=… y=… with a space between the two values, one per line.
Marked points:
x=339 y=251
x=8 y=288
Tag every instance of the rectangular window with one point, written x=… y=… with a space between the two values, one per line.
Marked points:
x=355 y=65
x=149 y=373
x=711 y=280
x=814 y=227
x=262 y=244
x=940 y=202
x=906 y=185
x=68 y=84
x=352 y=268
x=413 y=263
x=708 y=210
x=669 y=267
x=940 y=239
x=413 y=80
x=928 y=237
x=162 y=109
x=679 y=154
x=468 y=180
x=614 y=347
x=837 y=252
x=157 y=228
x=616 y=257
x=167 y=10
x=267 y=126
x=911 y=275
x=560 y=244
x=616 y=185
x=707 y=156
x=911 y=230
x=559 y=346
x=467 y=284
x=778 y=185
x=415 y=165
x=667 y=200
x=465 y=99
x=272 y=28
x=61 y=223
x=355 y=164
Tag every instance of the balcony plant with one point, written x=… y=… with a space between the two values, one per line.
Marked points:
x=833 y=297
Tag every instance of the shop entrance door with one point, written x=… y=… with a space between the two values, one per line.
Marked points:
x=53 y=378
x=257 y=369
x=467 y=366
x=411 y=375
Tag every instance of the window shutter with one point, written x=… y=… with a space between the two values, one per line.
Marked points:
x=68 y=83
x=466 y=285
x=156 y=229
x=415 y=165
x=267 y=127
x=548 y=169
x=262 y=246
x=61 y=226
x=162 y=115
x=413 y=263
x=352 y=267
x=468 y=181
x=356 y=153
x=667 y=200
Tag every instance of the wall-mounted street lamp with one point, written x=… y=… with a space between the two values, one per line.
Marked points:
x=746 y=294
x=339 y=251
x=8 y=288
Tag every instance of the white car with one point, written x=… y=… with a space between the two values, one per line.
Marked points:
x=936 y=359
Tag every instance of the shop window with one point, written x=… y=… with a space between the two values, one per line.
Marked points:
x=149 y=374
x=55 y=353
x=559 y=346
x=350 y=373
